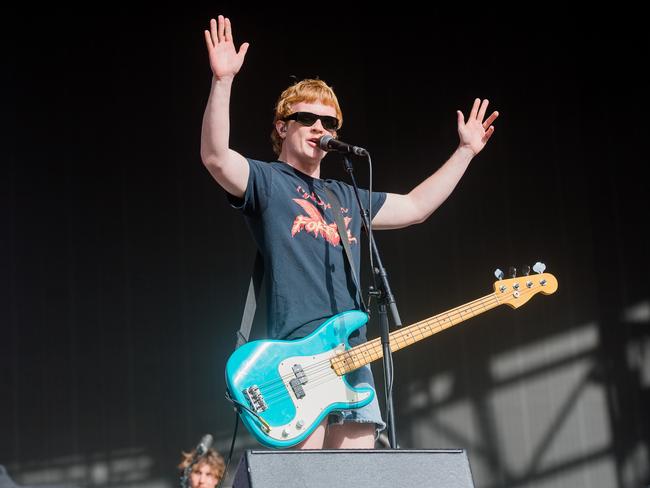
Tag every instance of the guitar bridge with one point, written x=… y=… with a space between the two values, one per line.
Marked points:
x=255 y=398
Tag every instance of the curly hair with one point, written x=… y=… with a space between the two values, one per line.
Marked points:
x=212 y=458
x=310 y=91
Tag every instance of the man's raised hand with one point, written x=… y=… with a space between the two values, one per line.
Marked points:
x=225 y=61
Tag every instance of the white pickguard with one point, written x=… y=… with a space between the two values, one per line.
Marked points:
x=323 y=388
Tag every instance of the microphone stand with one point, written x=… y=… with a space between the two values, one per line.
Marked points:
x=386 y=301
x=188 y=469
x=186 y=475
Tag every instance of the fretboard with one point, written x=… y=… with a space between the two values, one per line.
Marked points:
x=372 y=350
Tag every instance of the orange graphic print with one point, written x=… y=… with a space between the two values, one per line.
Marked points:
x=314 y=223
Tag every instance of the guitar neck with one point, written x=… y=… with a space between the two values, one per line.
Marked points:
x=372 y=350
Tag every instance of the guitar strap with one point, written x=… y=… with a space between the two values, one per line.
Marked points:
x=345 y=242
x=251 y=301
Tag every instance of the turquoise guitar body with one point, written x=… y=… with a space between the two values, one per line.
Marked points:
x=289 y=387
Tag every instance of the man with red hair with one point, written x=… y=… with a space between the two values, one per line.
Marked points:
x=292 y=219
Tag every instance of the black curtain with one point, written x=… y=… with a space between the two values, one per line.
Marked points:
x=124 y=270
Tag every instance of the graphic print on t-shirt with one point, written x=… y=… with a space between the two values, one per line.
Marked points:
x=314 y=222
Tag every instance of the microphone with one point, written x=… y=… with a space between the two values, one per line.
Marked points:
x=204 y=445
x=328 y=143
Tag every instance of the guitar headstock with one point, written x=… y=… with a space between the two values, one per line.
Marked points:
x=516 y=291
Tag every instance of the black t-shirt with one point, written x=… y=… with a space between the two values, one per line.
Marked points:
x=305 y=268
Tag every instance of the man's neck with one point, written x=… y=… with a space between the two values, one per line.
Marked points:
x=309 y=168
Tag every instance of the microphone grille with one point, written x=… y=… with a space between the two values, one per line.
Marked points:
x=206 y=443
x=324 y=141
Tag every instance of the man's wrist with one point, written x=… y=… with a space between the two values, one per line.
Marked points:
x=465 y=152
x=223 y=80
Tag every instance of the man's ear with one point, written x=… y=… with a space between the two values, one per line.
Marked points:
x=281 y=127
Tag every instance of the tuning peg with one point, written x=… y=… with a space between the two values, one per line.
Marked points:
x=539 y=267
x=525 y=270
x=498 y=273
x=512 y=271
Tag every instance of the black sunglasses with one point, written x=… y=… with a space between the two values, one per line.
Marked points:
x=308 y=119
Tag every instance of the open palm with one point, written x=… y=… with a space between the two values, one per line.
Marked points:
x=475 y=133
x=225 y=61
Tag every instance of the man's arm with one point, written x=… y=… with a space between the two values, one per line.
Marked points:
x=416 y=206
x=228 y=167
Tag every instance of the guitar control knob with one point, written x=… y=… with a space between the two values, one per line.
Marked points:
x=300 y=424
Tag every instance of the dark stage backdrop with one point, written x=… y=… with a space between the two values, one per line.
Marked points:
x=123 y=271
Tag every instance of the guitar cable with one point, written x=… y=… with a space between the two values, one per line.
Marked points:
x=232 y=448
x=238 y=407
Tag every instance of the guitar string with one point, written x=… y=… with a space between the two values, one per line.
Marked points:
x=317 y=371
x=370 y=348
x=276 y=389
x=373 y=347
x=396 y=336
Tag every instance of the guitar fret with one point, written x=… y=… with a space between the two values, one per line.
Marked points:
x=353 y=359
x=372 y=350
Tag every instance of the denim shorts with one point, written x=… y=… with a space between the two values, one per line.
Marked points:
x=370 y=414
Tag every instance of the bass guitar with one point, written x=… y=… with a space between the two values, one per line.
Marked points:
x=284 y=389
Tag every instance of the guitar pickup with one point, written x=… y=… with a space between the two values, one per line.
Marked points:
x=299 y=373
x=297 y=388
x=255 y=398
x=299 y=380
